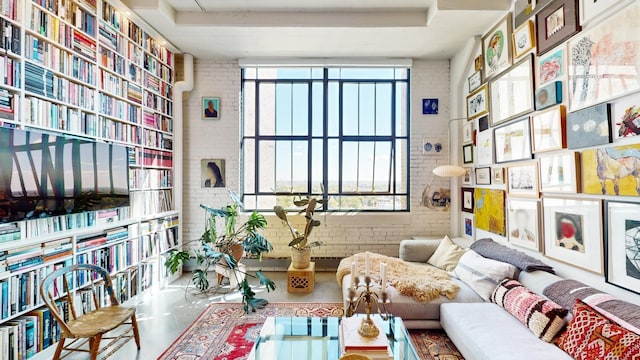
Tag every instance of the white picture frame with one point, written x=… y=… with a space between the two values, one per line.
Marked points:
x=622 y=268
x=467 y=177
x=484 y=148
x=512 y=92
x=523 y=179
x=560 y=173
x=523 y=223
x=468 y=226
x=467 y=132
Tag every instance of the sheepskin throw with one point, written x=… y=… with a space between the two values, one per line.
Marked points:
x=422 y=283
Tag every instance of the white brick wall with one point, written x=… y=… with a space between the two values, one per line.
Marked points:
x=343 y=234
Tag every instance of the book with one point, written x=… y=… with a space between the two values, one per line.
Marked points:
x=354 y=341
x=379 y=354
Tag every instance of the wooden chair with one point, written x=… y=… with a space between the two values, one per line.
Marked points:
x=90 y=326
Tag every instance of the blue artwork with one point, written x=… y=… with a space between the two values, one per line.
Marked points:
x=589 y=127
x=429 y=106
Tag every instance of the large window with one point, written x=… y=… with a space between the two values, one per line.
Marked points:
x=335 y=133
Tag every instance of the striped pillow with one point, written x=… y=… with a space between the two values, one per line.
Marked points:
x=482 y=274
x=543 y=317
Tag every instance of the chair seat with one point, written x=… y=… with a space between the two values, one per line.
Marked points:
x=100 y=321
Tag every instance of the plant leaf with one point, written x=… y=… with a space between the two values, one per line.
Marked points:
x=268 y=283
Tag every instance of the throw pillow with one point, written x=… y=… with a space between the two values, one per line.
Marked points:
x=543 y=317
x=482 y=274
x=447 y=255
x=591 y=336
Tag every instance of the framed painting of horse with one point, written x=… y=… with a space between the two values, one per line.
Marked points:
x=613 y=170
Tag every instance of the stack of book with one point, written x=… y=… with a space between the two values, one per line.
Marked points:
x=353 y=343
x=10 y=232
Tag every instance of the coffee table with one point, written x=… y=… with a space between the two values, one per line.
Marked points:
x=314 y=338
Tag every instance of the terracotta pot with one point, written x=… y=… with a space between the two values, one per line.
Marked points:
x=300 y=259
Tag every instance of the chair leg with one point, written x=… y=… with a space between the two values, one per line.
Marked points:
x=94 y=346
x=220 y=277
x=136 y=333
x=56 y=355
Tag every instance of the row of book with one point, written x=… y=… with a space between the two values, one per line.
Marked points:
x=119 y=109
x=10 y=71
x=91 y=241
x=134 y=93
x=22 y=338
x=152 y=138
x=27 y=257
x=9 y=232
x=41 y=81
x=56 y=116
x=10 y=39
x=113 y=258
x=116 y=85
x=151 y=202
x=50 y=225
x=113 y=61
x=70 y=11
x=157 y=121
x=10 y=9
x=150 y=178
x=158 y=69
x=9 y=102
x=60 y=60
x=158 y=103
x=158 y=86
x=151 y=157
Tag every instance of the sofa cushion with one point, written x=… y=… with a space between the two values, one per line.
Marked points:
x=543 y=317
x=591 y=336
x=482 y=274
x=447 y=255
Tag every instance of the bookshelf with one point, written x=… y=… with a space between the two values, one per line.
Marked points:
x=81 y=67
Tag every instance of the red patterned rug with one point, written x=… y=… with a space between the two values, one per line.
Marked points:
x=224 y=332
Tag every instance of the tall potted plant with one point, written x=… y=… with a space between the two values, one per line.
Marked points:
x=300 y=245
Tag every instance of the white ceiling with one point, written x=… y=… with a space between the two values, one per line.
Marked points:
x=433 y=29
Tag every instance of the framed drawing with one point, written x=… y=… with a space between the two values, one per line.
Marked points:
x=560 y=173
x=590 y=9
x=496 y=48
x=484 y=148
x=589 y=127
x=557 y=22
x=622 y=245
x=467 y=132
x=498 y=175
x=478 y=63
x=613 y=170
x=592 y=78
x=483 y=123
x=522 y=179
x=505 y=104
x=549 y=95
x=429 y=106
x=212 y=173
x=523 y=39
x=210 y=108
x=523 y=221
x=468 y=228
x=522 y=11
x=467 y=154
x=547 y=129
x=513 y=141
x=489 y=210
x=483 y=176
x=475 y=81
x=467 y=177
x=551 y=66
x=478 y=102
x=573 y=232
x=626 y=117
x=467 y=200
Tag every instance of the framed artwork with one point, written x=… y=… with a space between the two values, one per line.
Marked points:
x=522 y=179
x=468 y=228
x=475 y=81
x=212 y=173
x=483 y=176
x=522 y=11
x=541 y=4
x=613 y=170
x=590 y=9
x=589 y=127
x=429 y=106
x=467 y=154
x=523 y=221
x=560 y=173
x=551 y=66
x=505 y=104
x=547 y=129
x=496 y=48
x=622 y=245
x=489 y=210
x=523 y=39
x=483 y=123
x=549 y=95
x=484 y=148
x=478 y=102
x=478 y=63
x=498 y=175
x=573 y=232
x=557 y=22
x=467 y=200
x=513 y=141
x=626 y=117
x=467 y=177
x=592 y=78
x=210 y=109
x=467 y=132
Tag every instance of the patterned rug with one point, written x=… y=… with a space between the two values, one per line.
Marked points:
x=224 y=332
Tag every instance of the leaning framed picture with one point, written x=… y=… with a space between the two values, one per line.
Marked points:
x=512 y=92
x=483 y=176
x=467 y=154
x=496 y=47
x=478 y=102
x=467 y=200
x=573 y=232
x=210 y=108
x=484 y=148
x=522 y=179
x=523 y=222
x=560 y=173
x=523 y=39
x=589 y=127
x=547 y=129
x=468 y=226
x=557 y=22
x=622 y=245
x=513 y=141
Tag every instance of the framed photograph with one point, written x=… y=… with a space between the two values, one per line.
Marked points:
x=489 y=210
x=560 y=173
x=551 y=66
x=484 y=148
x=590 y=9
x=496 y=48
x=483 y=176
x=429 y=106
x=513 y=141
x=523 y=39
x=549 y=95
x=622 y=245
x=467 y=177
x=522 y=179
x=467 y=132
x=522 y=11
x=573 y=232
x=483 y=123
x=467 y=200
x=212 y=173
x=523 y=221
x=505 y=104
x=626 y=117
x=613 y=170
x=468 y=228
x=478 y=63
x=498 y=175
x=547 y=129
x=592 y=78
x=478 y=102
x=467 y=154
x=475 y=81
x=589 y=127
x=557 y=22
x=210 y=108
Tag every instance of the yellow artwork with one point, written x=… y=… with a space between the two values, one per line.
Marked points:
x=489 y=210
x=613 y=170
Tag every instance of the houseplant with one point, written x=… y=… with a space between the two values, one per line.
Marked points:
x=300 y=245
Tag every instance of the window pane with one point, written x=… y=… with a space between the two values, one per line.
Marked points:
x=383 y=109
x=266 y=166
x=382 y=172
x=249 y=108
x=283 y=100
x=401 y=166
x=333 y=170
x=318 y=108
x=365 y=167
x=248 y=166
x=362 y=73
x=267 y=115
x=250 y=73
x=333 y=105
x=300 y=109
x=316 y=166
x=350 y=116
x=366 y=109
x=401 y=109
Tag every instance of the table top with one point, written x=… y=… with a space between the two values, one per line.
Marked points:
x=313 y=338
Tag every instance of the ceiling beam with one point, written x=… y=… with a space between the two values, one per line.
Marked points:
x=466 y=5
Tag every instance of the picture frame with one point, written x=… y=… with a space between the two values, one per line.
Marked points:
x=523 y=179
x=524 y=39
x=548 y=129
x=560 y=173
x=513 y=141
x=517 y=80
x=210 y=108
x=573 y=232
x=589 y=127
x=540 y=5
x=551 y=66
x=496 y=48
x=212 y=173
x=429 y=106
x=467 y=200
x=498 y=175
x=468 y=227
x=522 y=11
x=483 y=176
x=467 y=132
x=611 y=170
x=626 y=117
x=523 y=223
x=484 y=148
x=557 y=22
x=622 y=230
x=467 y=154
x=478 y=102
x=475 y=80
x=489 y=210
x=548 y=95
x=478 y=63
x=483 y=123
x=467 y=177
x=590 y=9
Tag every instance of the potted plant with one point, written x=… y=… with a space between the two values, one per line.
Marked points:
x=300 y=245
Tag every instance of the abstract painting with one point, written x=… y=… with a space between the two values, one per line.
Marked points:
x=484 y=148
x=547 y=129
x=489 y=210
x=496 y=48
x=469 y=229
x=559 y=173
x=523 y=218
x=549 y=95
x=589 y=127
x=513 y=141
x=626 y=117
x=622 y=245
x=551 y=66
x=612 y=170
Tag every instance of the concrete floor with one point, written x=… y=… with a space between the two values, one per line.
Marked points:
x=165 y=314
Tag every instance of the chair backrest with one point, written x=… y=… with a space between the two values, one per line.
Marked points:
x=83 y=277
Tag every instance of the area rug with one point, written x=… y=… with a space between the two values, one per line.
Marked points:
x=224 y=332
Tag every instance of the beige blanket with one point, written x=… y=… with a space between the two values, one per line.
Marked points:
x=422 y=283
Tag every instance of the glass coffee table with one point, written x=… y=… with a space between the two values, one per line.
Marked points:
x=313 y=338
